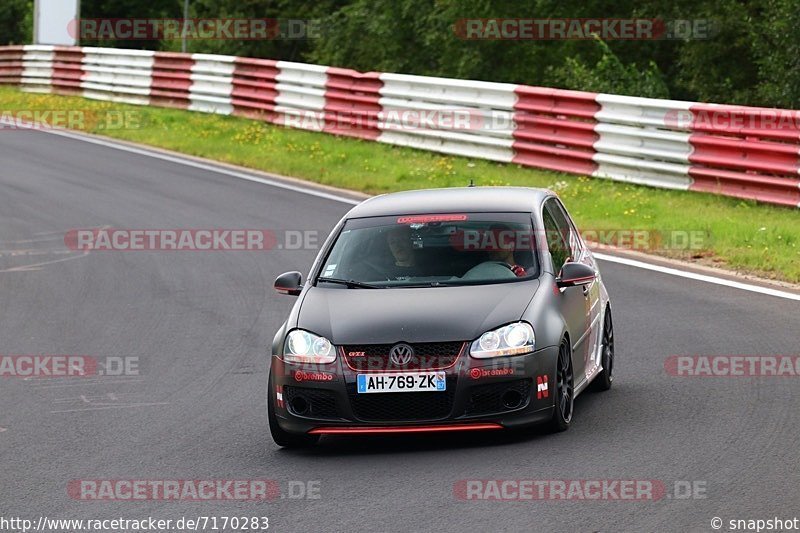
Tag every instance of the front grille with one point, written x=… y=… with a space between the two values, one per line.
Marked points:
x=394 y=406
x=486 y=399
x=427 y=356
x=320 y=403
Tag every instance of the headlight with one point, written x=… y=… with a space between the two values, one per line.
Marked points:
x=304 y=347
x=513 y=339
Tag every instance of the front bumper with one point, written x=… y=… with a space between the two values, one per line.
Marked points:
x=506 y=392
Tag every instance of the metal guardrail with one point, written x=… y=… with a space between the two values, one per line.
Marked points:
x=744 y=152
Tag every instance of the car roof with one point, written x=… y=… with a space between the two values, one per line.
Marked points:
x=452 y=200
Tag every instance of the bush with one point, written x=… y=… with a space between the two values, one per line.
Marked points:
x=610 y=75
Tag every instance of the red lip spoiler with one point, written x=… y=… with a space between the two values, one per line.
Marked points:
x=365 y=430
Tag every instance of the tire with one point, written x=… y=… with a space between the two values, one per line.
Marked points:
x=564 y=397
x=606 y=377
x=283 y=438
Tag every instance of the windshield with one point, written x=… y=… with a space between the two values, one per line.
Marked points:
x=432 y=250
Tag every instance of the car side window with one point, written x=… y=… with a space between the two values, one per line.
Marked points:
x=555 y=236
x=563 y=221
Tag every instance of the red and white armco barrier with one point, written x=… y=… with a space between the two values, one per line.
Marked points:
x=555 y=129
x=11 y=65
x=743 y=152
x=459 y=117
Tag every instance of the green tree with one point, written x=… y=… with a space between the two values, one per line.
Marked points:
x=129 y=9
x=16 y=21
x=722 y=68
x=776 y=46
x=304 y=16
x=610 y=75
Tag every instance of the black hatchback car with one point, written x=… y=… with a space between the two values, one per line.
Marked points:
x=441 y=310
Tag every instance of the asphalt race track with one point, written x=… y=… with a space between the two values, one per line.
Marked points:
x=201 y=323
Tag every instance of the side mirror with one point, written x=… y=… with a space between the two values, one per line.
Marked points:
x=290 y=283
x=574 y=274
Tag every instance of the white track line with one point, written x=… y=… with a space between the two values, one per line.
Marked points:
x=207 y=167
x=329 y=196
x=698 y=277
x=37 y=266
x=130 y=406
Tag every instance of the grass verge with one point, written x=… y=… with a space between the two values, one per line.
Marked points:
x=738 y=235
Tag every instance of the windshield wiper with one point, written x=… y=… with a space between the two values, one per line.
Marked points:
x=350 y=283
x=420 y=284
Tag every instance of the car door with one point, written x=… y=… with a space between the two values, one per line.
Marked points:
x=580 y=254
x=572 y=300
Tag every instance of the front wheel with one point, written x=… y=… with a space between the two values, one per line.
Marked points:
x=564 y=391
x=283 y=438
x=603 y=381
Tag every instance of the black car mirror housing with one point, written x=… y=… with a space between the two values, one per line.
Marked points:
x=290 y=283
x=574 y=274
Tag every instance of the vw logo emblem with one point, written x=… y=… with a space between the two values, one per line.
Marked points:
x=401 y=354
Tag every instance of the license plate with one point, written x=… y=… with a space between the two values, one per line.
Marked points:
x=401 y=382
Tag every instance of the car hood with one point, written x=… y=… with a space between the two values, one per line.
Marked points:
x=435 y=314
